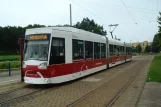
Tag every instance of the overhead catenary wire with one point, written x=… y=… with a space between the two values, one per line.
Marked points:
x=123 y=5
x=137 y=8
x=85 y=10
x=129 y=11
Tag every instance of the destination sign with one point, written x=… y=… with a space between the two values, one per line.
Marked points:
x=38 y=37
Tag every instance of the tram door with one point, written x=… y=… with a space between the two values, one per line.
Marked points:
x=57 y=55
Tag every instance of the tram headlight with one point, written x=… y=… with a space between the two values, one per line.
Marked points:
x=23 y=65
x=43 y=65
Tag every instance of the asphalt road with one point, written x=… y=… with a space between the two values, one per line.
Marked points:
x=6 y=74
x=6 y=79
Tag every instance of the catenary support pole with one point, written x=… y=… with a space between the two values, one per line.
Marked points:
x=70 y=14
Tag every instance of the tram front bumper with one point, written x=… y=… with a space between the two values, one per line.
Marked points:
x=31 y=80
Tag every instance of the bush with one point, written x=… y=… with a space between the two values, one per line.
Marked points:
x=9 y=58
x=13 y=64
x=3 y=65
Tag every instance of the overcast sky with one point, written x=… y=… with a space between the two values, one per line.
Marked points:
x=104 y=12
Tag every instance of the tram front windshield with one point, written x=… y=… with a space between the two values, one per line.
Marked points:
x=36 y=50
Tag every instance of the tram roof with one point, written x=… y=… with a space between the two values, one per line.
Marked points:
x=128 y=44
x=116 y=42
x=80 y=31
x=67 y=29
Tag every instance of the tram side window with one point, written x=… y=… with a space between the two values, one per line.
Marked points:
x=111 y=50
x=78 y=49
x=123 y=50
x=57 y=51
x=88 y=49
x=96 y=50
x=120 y=52
x=130 y=52
x=103 y=50
x=127 y=50
x=116 y=50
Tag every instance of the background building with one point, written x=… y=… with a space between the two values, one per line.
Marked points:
x=142 y=44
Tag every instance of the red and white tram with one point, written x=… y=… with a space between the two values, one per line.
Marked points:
x=60 y=54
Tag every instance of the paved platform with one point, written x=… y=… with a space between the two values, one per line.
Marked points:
x=151 y=96
x=6 y=79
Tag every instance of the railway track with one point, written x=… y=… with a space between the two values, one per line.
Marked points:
x=109 y=104
x=28 y=93
x=12 y=97
x=124 y=88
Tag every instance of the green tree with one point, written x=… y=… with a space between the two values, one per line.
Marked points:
x=34 y=26
x=157 y=37
x=9 y=39
x=9 y=35
x=147 y=49
x=139 y=48
x=157 y=42
x=159 y=21
x=91 y=26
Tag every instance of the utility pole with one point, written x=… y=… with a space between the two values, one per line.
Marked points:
x=70 y=15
